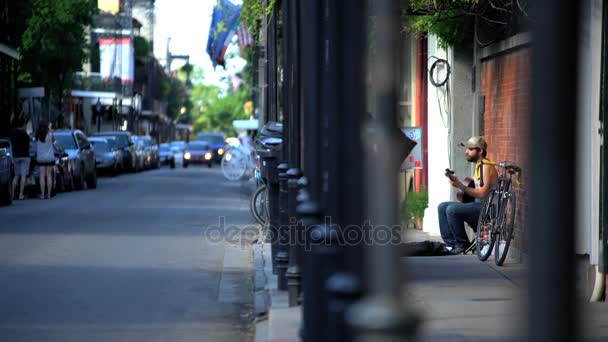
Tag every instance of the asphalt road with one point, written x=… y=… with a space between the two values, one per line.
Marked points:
x=138 y=259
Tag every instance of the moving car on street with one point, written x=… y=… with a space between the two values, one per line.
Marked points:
x=198 y=152
x=81 y=152
x=217 y=143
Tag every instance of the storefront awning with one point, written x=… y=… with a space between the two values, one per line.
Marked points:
x=9 y=51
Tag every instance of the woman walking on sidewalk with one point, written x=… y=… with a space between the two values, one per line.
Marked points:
x=45 y=157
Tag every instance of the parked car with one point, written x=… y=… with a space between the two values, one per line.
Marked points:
x=80 y=150
x=152 y=149
x=32 y=182
x=198 y=152
x=178 y=146
x=6 y=172
x=63 y=169
x=217 y=143
x=125 y=143
x=141 y=154
x=107 y=157
x=166 y=155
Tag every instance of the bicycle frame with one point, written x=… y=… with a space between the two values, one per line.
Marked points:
x=502 y=192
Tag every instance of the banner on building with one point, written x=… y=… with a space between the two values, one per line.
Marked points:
x=109 y=6
x=116 y=58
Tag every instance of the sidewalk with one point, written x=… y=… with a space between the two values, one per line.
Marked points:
x=458 y=297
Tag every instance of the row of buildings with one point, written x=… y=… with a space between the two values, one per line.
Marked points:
x=122 y=86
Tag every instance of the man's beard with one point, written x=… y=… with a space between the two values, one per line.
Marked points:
x=473 y=159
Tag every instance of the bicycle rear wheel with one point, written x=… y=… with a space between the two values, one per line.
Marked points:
x=504 y=233
x=484 y=236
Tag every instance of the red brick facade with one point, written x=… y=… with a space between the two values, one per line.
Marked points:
x=504 y=84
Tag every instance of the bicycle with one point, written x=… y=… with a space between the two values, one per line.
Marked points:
x=259 y=200
x=497 y=216
x=235 y=163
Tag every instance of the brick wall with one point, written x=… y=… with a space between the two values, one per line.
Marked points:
x=504 y=83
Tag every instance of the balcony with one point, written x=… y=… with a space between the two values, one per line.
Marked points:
x=94 y=82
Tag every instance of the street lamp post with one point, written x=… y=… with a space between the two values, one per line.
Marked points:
x=98 y=109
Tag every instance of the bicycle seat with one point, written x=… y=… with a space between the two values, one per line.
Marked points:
x=512 y=168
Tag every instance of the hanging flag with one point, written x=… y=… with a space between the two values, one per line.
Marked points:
x=245 y=38
x=224 y=24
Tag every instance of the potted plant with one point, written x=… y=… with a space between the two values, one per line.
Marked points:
x=413 y=207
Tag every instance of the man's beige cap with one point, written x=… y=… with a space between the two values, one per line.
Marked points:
x=475 y=142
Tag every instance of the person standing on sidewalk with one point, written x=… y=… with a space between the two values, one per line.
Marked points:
x=45 y=157
x=453 y=215
x=21 y=156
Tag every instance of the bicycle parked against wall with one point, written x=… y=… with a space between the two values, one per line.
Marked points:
x=497 y=216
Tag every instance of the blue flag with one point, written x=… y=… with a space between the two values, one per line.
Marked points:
x=224 y=24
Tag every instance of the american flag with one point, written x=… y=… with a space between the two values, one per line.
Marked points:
x=245 y=38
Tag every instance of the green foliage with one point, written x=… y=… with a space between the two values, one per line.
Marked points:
x=174 y=92
x=252 y=13
x=414 y=205
x=452 y=21
x=214 y=109
x=54 y=44
x=141 y=47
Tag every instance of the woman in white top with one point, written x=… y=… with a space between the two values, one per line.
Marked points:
x=45 y=157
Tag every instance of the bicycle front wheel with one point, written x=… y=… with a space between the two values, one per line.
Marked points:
x=234 y=164
x=258 y=204
x=484 y=236
x=504 y=233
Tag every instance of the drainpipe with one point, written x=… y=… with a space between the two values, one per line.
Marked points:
x=600 y=271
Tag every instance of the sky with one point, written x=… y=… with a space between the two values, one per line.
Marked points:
x=187 y=23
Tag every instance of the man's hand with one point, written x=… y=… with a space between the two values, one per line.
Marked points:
x=456 y=182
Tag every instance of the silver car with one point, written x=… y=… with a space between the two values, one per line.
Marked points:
x=107 y=157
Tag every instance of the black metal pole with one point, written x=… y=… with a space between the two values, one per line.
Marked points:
x=294 y=160
x=282 y=256
x=552 y=308
x=345 y=286
x=310 y=208
x=381 y=315
x=271 y=41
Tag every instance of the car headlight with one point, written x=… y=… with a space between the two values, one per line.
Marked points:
x=220 y=151
x=228 y=157
x=208 y=156
x=187 y=155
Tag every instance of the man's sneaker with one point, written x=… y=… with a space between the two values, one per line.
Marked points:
x=457 y=250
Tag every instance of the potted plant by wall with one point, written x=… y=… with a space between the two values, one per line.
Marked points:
x=413 y=207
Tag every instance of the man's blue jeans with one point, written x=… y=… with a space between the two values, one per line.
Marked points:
x=452 y=216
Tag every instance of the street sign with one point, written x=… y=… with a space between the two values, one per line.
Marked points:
x=414 y=159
